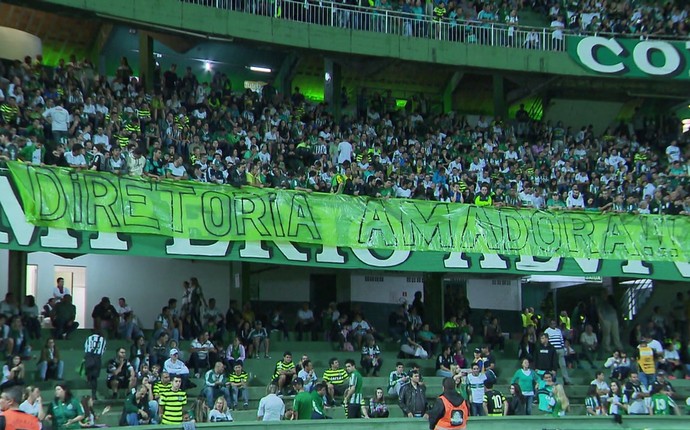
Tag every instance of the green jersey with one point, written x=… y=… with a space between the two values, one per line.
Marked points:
x=316 y=403
x=303 y=405
x=356 y=382
x=63 y=412
x=662 y=404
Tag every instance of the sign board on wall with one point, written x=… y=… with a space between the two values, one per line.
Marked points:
x=385 y=288
x=499 y=293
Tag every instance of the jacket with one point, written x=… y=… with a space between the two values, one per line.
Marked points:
x=438 y=410
x=413 y=400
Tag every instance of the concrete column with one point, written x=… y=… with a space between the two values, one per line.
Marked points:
x=147 y=63
x=333 y=82
x=500 y=105
x=448 y=92
x=16 y=275
x=246 y=282
x=433 y=300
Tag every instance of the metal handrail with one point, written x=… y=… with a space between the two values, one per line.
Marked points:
x=367 y=18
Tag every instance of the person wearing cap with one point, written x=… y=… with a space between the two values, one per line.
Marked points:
x=662 y=380
x=302 y=405
x=176 y=367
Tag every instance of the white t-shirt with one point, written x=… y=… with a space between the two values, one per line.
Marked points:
x=77 y=160
x=58 y=295
x=271 y=408
x=59 y=117
x=344 y=152
x=476 y=386
x=178 y=172
x=30 y=409
x=217 y=416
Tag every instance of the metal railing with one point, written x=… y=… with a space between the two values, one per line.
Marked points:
x=420 y=25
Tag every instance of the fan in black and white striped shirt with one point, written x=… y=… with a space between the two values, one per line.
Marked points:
x=94 y=348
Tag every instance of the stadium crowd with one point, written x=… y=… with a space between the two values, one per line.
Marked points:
x=157 y=377
x=188 y=130
x=625 y=18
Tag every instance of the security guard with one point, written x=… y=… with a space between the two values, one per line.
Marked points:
x=450 y=410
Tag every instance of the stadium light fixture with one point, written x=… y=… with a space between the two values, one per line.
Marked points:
x=260 y=69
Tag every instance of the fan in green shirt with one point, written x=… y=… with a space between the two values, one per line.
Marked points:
x=302 y=404
x=662 y=403
x=66 y=411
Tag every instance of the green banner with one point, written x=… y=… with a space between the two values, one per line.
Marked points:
x=18 y=234
x=631 y=58
x=92 y=201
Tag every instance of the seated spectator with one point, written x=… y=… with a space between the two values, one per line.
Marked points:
x=259 y=336
x=128 y=326
x=590 y=345
x=377 y=405
x=670 y=361
x=136 y=410
x=158 y=349
x=12 y=373
x=410 y=347
x=277 y=322
x=593 y=402
x=308 y=375
x=48 y=311
x=138 y=353
x=90 y=417
x=397 y=322
x=30 y=317
x=451 y=331
x=121 y=374
x=50 y=366
x=336 y=380
x=459 y=359
x=305 y=322
x=17 y=341
x=220 y=411
x=619 y=363
x=8 y=307
x=284 y=372
x=213 y=321
x=239 y=384
x=33 y=404
x=215 y=385
x=444 y=362
x=203 y=353
x=428 y=339
x=662 y=402
x=397 y=379
x=371 y=357
x=236 y=354
x=493 y=334
x=105 y=316
x=603 y=389
x=360 y=329
x=176 y=368
x=572 y=359
x=328 y=318
x=165 y=323
x=516 y=404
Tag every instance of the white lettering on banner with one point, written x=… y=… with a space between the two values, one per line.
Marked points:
x=529 y=264
x=329 y=254
x=586 y=52
x=59 y=239
x=108 y=241
x=588 y=265
x=683 y=269
x=642 y=56
x=291 y=253
x=396 y=258
x=253 y=249
x=22 y=230
x=492 y=261
x=181 y=246
x=635 y=267
x=456 y=261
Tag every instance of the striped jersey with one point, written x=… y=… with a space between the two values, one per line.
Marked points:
x=159 y=388
x=356 y=382
x=555 y=337
x=282 y=366
x=335 y=377
x=234 y=378
x=95 y=344
x=173 y=403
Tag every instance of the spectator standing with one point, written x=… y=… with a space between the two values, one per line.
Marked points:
x=271 y=407
x=517 y=404
x=556 y=339
x=173 y=402
x=302 y=405
x=590 y=344
x=495 y=404
x=474 y=385
x=94 y=348
x=450 y=410
x=353 y=399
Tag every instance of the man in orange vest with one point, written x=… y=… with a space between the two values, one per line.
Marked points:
x=12 y=418
x=450 y=411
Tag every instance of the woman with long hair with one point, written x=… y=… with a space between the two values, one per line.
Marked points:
x=12 y=373
x=220 y=411
x=517 y=404
x=593 y=402
x=50 y=365
x=377 y=405
x=200 y=410
x=527 y=379
x=33 y=404
x=90 y=419
x=617 y=401
x=561 y=403
x=65 y=411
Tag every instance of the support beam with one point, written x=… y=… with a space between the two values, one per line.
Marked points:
x=451 y=86
x=333 y=82
x=146 y=61
x=16 y=275
x=433 y=300
x=500 y=105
